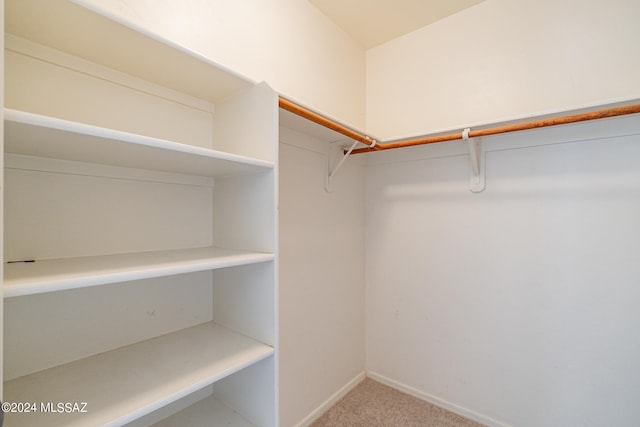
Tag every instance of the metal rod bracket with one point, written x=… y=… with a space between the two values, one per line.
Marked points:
x=339 y=154
x=477 y=160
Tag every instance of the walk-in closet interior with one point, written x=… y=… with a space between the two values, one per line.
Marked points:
x=231 y=213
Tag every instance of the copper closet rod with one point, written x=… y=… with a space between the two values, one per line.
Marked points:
x=301 y=111
x=574 y=118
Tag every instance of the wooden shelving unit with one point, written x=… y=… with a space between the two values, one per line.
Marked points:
x=129 y=162
x=37 y=135
x=25 y=278
x=122 y=385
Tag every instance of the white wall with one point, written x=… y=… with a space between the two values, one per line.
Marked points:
x=503 y=59
x=513 y=306
x=288 y=43
x=518 y=305
x=321 y=278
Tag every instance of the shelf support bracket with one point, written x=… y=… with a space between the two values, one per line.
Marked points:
x=342 y=156
x=477 y=160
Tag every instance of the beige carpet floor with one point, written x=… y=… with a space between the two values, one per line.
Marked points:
x=371 y=404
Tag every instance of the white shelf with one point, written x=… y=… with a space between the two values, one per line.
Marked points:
x=124 y=384
x=42 y=136
x=207 y=412
x=85 y=54
x=26 y=278
x=74 y=29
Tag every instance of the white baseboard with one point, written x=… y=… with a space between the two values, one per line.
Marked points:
x=332 y=400
x=467 y=413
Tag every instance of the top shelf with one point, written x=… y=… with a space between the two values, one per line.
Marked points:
x=42 y=136
x=68 y=27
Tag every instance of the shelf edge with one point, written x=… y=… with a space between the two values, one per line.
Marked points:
x=251 y=352
x=42 y=121
x=31 y=287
